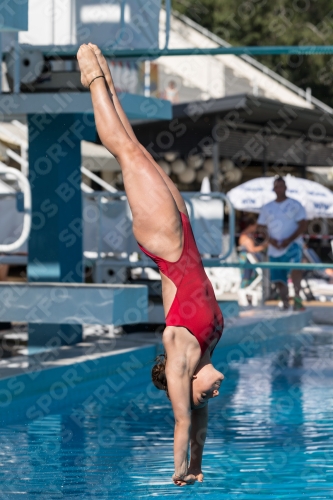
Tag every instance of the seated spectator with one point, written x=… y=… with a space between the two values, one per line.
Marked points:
x=247 y=243
x=171 y=92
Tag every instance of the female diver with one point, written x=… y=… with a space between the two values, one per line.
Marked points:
x=194 y=322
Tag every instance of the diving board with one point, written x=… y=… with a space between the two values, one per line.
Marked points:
x=73 y=303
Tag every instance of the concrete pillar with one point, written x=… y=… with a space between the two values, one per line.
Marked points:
x=56 y=239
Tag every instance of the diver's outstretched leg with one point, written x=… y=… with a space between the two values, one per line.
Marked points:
x=128 y=127
x=156 y=220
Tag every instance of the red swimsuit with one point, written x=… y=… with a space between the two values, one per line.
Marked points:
x=194 y=306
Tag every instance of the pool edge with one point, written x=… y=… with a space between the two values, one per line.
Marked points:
x=57 y=385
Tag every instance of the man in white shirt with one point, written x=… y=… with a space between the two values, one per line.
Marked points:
x=284 y=219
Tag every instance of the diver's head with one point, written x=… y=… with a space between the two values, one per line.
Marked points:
x=205 y=382
x=205 y=385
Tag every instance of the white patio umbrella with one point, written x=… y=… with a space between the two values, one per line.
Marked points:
x=252 y=195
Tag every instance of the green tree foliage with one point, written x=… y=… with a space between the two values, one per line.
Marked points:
x=279 y=22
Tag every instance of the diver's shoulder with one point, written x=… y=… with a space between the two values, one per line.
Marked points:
x=180 y=338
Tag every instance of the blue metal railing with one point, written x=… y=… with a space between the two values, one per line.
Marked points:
x=68 y=51
x=268 y=265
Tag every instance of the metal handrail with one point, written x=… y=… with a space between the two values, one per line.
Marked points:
x=268 y=265
x=70 y=51
x=98 y=180
x=220 y=196
x=25 y=186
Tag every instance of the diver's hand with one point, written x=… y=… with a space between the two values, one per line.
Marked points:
x=184 y=480
x=197 y=473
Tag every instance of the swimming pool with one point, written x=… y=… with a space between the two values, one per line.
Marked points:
x=270 y=433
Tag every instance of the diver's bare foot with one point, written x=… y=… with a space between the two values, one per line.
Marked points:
x=102 y=62
x=197 y=473
x=88 y=64
x=184 y=480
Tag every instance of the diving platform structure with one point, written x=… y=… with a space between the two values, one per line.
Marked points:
x=73 y=303
x=56 y=302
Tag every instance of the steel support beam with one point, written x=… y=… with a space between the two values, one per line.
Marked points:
x=55 y=243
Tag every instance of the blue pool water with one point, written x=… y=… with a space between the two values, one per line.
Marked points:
x=270 y=434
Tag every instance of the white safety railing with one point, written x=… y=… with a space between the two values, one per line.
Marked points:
x=25 y=188
x=98 y=180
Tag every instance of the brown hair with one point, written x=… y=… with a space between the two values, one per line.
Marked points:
x=158 y=374
x=249 y=220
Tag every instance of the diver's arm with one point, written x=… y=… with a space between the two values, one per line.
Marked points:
x=198 y=438
x=179 y=387
x=179 y=377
